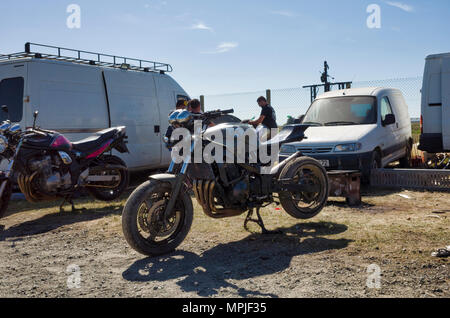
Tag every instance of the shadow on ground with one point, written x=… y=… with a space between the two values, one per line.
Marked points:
x=255 y=256
x=50 y=222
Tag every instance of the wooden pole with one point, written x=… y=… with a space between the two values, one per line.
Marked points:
x=202 y=102
x=269 y=96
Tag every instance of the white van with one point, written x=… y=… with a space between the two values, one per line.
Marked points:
x=82 y=93
x=435 y=119
x=356 y=129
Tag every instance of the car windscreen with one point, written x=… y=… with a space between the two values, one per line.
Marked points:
x=11 y=95
x=345 y=110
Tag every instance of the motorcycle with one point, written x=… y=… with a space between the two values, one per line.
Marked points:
x=47 y=166
x=158 y=215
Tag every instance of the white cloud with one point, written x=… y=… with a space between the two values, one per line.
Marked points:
x=284 y=13
x=223 y=48
x=400 y=5
x=201 y=26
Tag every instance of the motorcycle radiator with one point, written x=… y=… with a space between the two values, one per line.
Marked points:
x=204 y=193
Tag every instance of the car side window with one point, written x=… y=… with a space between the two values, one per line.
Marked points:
x=386 y=108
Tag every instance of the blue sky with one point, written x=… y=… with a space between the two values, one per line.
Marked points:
x=236 y=46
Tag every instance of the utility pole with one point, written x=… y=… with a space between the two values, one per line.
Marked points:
x=327 y=85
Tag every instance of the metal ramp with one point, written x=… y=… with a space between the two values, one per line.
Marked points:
x=49 y=52
x=421 y=179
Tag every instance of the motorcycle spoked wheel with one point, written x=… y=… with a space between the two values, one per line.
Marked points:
x=143 y=223
x=6 y=197
x=110 y=194
x=305 y=205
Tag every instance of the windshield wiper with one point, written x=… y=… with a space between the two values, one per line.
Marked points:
x=337 y=123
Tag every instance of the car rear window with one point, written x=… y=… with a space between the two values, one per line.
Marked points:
x=11 y=95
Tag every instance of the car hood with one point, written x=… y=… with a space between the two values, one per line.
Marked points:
x=334 y=135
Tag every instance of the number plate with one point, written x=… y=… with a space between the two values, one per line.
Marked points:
x=325 y=163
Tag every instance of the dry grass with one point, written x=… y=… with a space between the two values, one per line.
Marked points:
x=335 y=248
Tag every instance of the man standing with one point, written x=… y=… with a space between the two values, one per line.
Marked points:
x=194 y=106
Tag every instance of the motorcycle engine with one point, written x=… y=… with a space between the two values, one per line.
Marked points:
x=240 y=189
x=53 y=175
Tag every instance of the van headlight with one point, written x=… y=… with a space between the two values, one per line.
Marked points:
x=3 y=144
x=348 y=147
x=288 y=149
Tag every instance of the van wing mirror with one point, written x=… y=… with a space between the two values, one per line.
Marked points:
x=389 y=120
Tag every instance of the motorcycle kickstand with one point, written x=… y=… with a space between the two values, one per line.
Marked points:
x=259 y=221
x=69 y=199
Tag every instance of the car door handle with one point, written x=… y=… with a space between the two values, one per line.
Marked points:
x=157 y=129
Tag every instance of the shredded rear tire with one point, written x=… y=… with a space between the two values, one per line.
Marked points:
x=307 y=170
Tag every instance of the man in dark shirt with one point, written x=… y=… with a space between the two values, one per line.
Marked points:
x=268 y=117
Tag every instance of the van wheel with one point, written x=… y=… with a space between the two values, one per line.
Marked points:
x=376 y=161
x=406 y=161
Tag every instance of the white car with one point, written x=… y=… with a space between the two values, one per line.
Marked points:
x=356 y=129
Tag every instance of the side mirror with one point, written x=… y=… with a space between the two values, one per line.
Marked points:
x=5 y=109
x=35 y=116
x=389 y=120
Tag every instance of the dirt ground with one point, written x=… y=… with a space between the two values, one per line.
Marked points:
x=327 y=256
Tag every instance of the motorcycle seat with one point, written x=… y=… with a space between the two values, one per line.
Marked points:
x=290 y=133
x=95 y=141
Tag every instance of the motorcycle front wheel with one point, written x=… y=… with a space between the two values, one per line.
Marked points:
x=310 y=173
x=144 y=226
x=5 y=198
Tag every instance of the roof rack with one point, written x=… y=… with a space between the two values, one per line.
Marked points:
x=89 y=58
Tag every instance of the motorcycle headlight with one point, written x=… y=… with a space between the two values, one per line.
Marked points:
x=173 y=117
x=288 y=149
x=184 y=117
x=5 y=126
x=348 y=147
x=3 y=144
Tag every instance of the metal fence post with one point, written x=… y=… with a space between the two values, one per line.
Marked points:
x=269 y=96
x=202 y=102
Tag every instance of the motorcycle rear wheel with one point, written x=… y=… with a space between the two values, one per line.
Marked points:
x=110 y=194
x=305 y=205
x=144 y=226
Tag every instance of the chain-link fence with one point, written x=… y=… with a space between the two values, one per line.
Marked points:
x=296 y=101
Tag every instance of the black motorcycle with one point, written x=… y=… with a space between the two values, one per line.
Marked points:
x=47 y=166
x=158 y=215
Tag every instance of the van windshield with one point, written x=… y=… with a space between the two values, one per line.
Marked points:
x=11 y=95
x=341 y=111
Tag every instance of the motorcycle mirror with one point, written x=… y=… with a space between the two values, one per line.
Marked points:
x=35 y=115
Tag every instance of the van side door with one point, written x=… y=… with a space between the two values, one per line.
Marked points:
x=133 y=103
